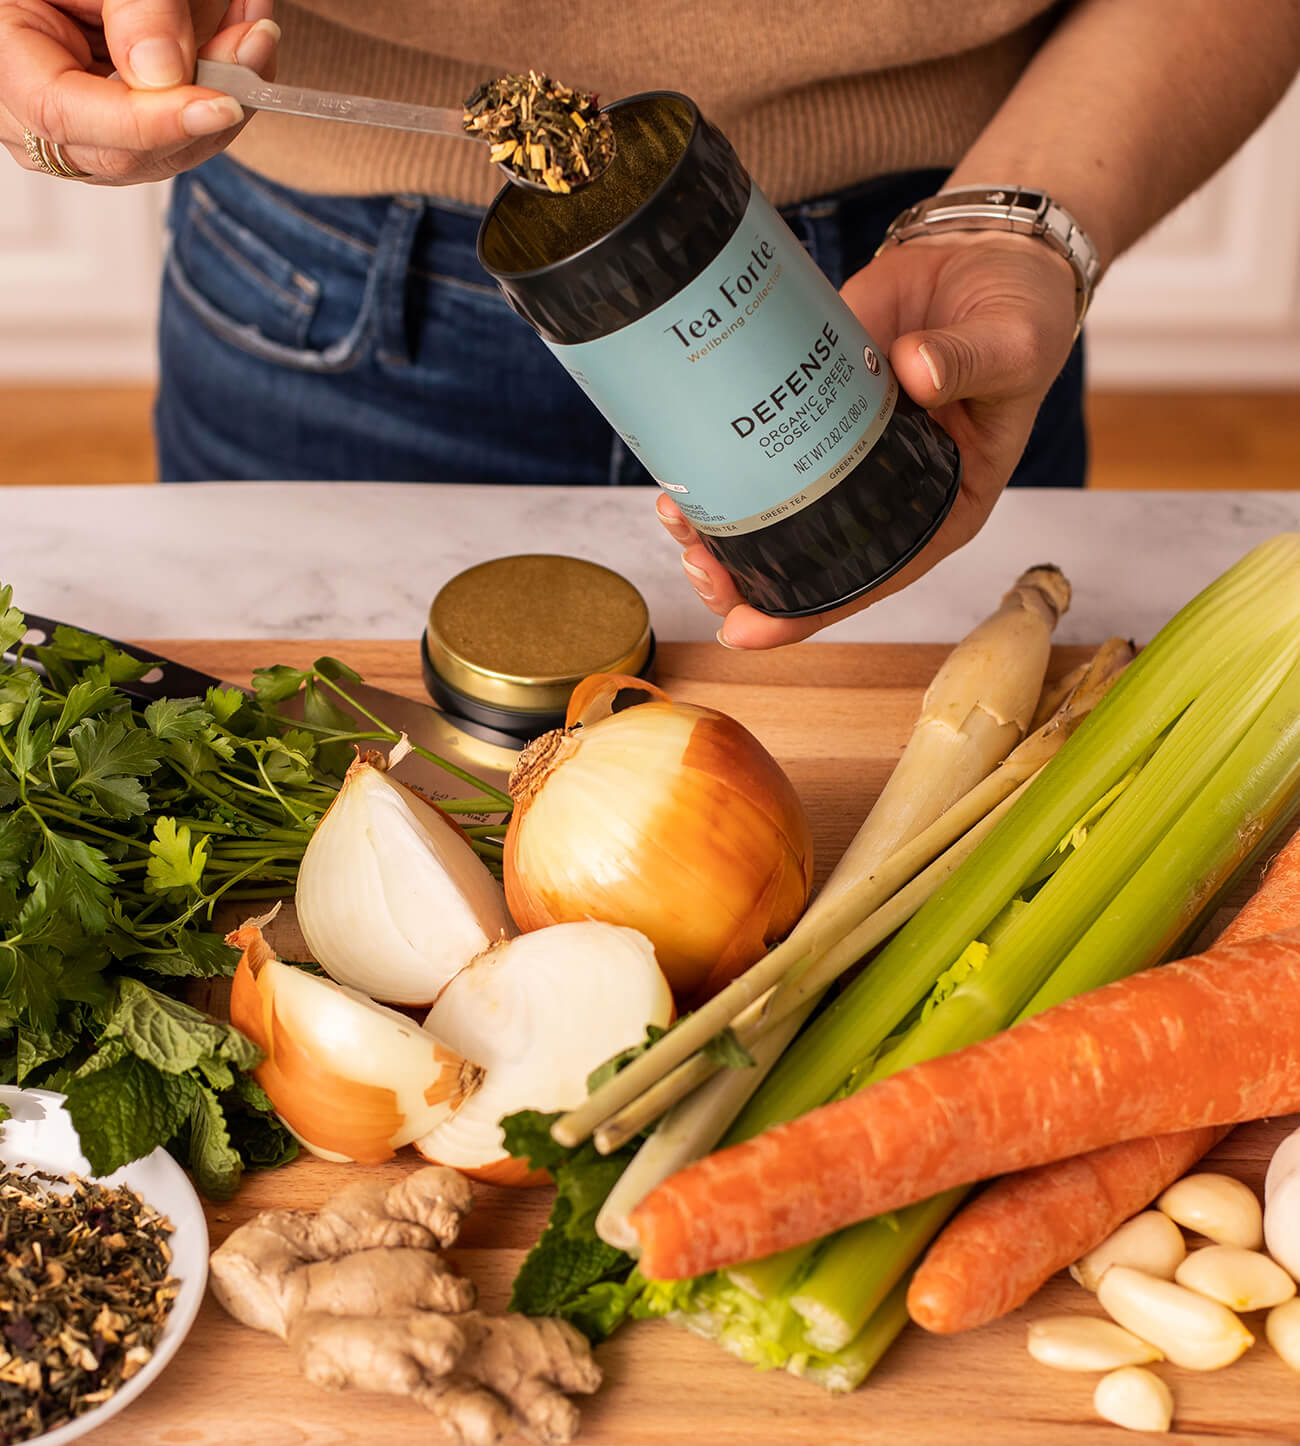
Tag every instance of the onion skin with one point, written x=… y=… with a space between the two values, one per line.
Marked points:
x=722 y=859
x=330 y=1112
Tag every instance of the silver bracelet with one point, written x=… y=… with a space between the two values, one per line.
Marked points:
x=1005 y=208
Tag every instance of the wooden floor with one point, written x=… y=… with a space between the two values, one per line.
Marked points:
x=1167 y=440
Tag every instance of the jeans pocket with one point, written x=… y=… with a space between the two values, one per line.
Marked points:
x=244 y=289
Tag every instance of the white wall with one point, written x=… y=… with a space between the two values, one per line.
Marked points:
x=1209 y=299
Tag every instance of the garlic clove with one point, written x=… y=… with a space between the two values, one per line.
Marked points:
x=1190 y=1329
x=1285 y=1161
x=1149 y=1241
x=540 y=1012
x=1136 y=1399
x=391 y=897
x=1282 y=1328
x=1086 y=1343
x=1216 y=1206
x=1282 y=1223
x=351 y=1079
x=1242 y=1280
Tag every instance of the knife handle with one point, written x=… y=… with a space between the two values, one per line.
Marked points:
x=168 y=679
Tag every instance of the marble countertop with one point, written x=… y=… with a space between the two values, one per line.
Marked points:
x=279 y=560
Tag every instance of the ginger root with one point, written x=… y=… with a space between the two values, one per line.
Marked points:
x=363 y=1299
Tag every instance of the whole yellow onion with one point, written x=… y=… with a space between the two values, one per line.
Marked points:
x=664 y=817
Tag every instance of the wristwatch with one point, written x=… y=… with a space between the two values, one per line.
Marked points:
x=1005 y=208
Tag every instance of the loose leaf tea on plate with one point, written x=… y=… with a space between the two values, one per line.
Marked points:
x=541 y=131
x=85 y=1288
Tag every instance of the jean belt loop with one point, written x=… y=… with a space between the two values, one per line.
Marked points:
x=393 y=253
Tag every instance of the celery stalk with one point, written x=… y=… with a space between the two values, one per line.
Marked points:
x=847 y=1368
x=1255 y=598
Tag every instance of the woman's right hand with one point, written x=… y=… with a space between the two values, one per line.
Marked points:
x=144 y=123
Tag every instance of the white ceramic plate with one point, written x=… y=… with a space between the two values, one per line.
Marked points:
x=39 y=1134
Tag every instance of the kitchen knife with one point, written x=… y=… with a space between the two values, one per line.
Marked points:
x=483 y=752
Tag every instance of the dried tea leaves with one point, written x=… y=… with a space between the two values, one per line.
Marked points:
x=85 y=1290
x=541 y=131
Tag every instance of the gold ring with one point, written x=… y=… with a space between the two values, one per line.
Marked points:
x=48 y=156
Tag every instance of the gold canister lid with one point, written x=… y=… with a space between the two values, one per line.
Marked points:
x=519 y=633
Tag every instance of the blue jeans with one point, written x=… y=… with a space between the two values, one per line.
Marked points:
x=336 y=338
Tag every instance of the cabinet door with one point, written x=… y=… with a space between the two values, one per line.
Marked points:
x=1211 y=297
x=79 y=269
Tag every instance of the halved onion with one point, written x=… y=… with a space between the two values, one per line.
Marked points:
x=665 y=817
x=539 y=1013
x=351 y=1079
x=391 y=898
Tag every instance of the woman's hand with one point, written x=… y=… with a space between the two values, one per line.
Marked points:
x=145 y=123
x=977 y=326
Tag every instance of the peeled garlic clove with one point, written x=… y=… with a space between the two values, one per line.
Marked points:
x=1282 y=1327
x=351 y=1079
x=1285 y=1161
x=1216 y=1206
x=1190 y=1329
x=391 y=897
x=1240 y=1279
x=1136 y=1399
x=1086 y=1343
x=1282 y=1223
x=539 y=1013
x=1149 y=1241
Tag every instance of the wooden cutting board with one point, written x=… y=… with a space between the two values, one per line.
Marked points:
x=836 y=715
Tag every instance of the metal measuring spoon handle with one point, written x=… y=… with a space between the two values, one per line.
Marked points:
x=254 y=93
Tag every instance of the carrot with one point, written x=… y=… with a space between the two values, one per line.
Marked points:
x=1024 y=1228
x=1211 y=1040
x=1027 y=1226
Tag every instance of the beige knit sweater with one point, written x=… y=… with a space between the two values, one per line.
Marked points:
x=813 y=97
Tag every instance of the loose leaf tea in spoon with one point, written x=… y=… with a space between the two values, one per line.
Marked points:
x=543 y=132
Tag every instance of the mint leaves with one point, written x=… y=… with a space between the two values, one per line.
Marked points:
x=571 y=1272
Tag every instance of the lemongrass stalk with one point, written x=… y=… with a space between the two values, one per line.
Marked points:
x=1256 y=596
x=689 y=1131
x=975 y=710
x=1246 y=801
x=773 y=1011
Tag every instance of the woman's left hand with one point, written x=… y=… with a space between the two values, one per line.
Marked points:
x=977 y=326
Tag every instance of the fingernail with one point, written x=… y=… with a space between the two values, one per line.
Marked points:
x=258 y=45
x=730 y=647
x=704 y=584
x=207 y=117
x=931 y=366
x=157 y=62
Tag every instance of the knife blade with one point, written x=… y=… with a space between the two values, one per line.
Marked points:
x=481 y=751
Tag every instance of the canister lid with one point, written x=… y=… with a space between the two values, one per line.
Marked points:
x=520 y=632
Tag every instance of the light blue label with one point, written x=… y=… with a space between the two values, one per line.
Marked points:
x=752 y=392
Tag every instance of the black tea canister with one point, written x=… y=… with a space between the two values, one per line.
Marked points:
x=682 y=303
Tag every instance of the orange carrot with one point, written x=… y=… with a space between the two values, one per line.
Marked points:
x=1211 y=1040
x=998 y=1251
x=1024 y=1228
